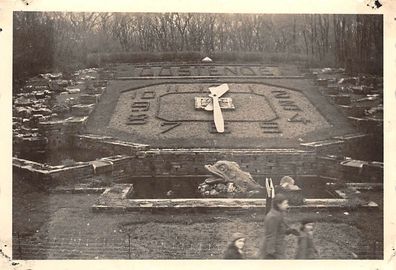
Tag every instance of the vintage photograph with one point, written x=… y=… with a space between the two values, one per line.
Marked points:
x=197 y=136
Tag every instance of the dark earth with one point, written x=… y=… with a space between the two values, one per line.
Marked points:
x=62 y=226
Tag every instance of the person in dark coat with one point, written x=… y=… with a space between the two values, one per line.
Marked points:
x=305 y=248
x=235 y=247
x=275 y=229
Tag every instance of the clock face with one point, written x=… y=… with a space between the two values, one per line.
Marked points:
x=190 y=114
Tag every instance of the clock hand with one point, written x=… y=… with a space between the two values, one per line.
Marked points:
x=217 y=114
x=215 y=93
x=219 y=90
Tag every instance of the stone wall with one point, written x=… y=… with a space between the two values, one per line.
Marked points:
x=273 y=163
x=60 y=133
x=121 y=167
x=133 y=161
x=353 y=110
x=89 y=99
x=325 y=147
x=363 y=146
x=70 y=175
x=25 y=146
x=358 y=146
x=329 y=167
x=49 y=176
x=313 y=159
x=106 y=144
x=359 y=171
x=82 y=109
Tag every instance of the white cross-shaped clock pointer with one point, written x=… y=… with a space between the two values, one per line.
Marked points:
x=215 y=94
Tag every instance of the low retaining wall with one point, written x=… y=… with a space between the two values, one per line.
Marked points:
x=274 y=163
x=370 y=125
x=217 y=204
x=146 y=162
x=329 y=167
x=325 y=147
x=138 y=160
x=51 y=176
x=362 y=171
x=190 y=162
x=60 y=133
x=107 y=145
x=117 y=199
x=357 y=146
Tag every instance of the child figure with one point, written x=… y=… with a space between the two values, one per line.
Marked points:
x=235 y=247
x=306 y=249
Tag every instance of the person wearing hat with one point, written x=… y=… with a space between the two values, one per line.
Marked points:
x=235 y=247
x=305 y=248
x=275 y=229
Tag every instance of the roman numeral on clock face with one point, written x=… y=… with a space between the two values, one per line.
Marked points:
x=289 y=105
x=137 y=119
x=270 y=127
x=140 y=106
x=297 y=118
x=169 y=126
x=148 y=95
x=280 y=94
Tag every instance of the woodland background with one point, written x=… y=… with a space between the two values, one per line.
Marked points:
x=61 y=41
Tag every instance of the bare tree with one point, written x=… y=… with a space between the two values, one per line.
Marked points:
x=322 y=37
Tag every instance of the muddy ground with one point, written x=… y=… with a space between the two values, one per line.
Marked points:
x=62 y=226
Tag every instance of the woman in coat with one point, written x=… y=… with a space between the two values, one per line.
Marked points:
x=276 y=229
